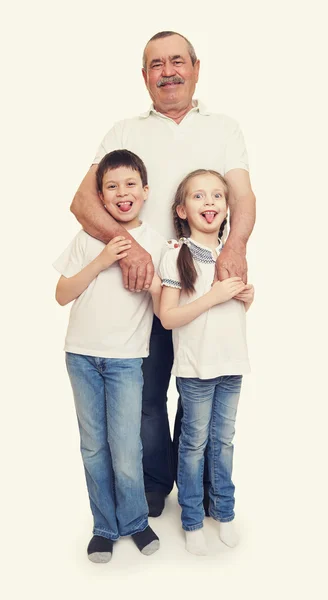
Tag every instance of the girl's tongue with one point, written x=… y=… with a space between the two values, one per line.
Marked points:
x=125 y=206
x=209 y=216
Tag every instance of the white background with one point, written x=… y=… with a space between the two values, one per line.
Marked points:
x=70 y=69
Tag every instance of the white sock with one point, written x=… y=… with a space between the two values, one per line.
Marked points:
x=228 y=534
x=195 y=542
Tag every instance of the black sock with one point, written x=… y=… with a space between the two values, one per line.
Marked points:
x=100 y=549
x=156 y=502
x=147 y=541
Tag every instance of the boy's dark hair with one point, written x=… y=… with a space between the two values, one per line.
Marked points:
x=120 y=158
x=185 y=263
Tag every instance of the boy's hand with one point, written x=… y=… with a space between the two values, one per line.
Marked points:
x=225 y=290
x=156 y=286
x=114 y=251
x=247 y=295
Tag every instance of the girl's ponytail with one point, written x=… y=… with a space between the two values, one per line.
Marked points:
x=221 y=232
x=185 y=262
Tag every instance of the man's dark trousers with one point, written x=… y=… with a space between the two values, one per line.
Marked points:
x=160 y=455
x=158 y=459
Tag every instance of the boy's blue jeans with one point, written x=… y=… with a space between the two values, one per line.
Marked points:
x=209 y=414
x=108 y=397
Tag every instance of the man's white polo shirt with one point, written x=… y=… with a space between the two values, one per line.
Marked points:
x=107 y=320
x=214 y=344
x=170 y=151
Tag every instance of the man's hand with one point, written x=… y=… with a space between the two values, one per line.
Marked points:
x=137 y=269
x=231 y=263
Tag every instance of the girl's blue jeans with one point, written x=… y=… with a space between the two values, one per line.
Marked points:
x=209 y=414
x=108 y=396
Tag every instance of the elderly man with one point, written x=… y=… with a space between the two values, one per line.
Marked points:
x=175 y=136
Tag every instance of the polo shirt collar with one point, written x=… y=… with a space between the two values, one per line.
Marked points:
x=197 y=107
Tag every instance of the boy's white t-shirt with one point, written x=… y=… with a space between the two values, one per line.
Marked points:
x=107 y=320
x=214 y=343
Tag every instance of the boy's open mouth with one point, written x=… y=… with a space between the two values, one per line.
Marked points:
x=209 y=215
x=124 y=206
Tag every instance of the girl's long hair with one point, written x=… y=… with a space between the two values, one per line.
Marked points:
x=185 y=262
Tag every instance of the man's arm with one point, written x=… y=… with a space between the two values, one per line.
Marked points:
x=137 y=268
x=90 y=212
x=232 y=259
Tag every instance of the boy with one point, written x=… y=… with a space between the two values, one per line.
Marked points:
x=108 y=335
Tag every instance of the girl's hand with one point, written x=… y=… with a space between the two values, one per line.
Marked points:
x=156 y=286
x=225 y=290
x=114 y=251
x=247 y=295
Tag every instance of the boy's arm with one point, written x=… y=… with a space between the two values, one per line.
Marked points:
x=69 y=288
x=172 y=315
x=137 y=269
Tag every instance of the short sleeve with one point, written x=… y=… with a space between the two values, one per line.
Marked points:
x=168 y=269
x=235 y=153
x=111 y=141
x=71 y=261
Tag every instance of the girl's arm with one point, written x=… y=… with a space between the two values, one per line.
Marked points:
x=172 y=315
x=247 y=296
x=156 y=292
x=69 y=288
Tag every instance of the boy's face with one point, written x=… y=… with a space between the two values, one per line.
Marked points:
x=123 y=195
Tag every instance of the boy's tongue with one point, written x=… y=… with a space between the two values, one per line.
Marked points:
x=125 y=206
x=209 y=217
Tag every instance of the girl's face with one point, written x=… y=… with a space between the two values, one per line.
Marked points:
x=205 y=205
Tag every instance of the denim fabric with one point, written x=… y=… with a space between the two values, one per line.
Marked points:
x=108 y=395
x=158 y=463
x=209 y=414
x=176 y=437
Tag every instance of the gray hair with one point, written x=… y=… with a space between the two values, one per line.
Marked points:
x=164 y=34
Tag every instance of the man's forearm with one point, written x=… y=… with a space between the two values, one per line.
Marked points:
x=242 y=218
x=242 y=208
x=94 y=218
x=91 y=214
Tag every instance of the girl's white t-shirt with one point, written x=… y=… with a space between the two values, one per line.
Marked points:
x=214 y=343
x=107 y=320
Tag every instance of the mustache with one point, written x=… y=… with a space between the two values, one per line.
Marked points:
x=174 y=79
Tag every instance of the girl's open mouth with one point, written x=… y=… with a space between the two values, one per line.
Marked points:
x=209 y=215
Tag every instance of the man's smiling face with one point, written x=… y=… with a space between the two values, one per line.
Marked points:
x=170 y=76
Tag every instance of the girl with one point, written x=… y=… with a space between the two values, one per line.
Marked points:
x=210 y=353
